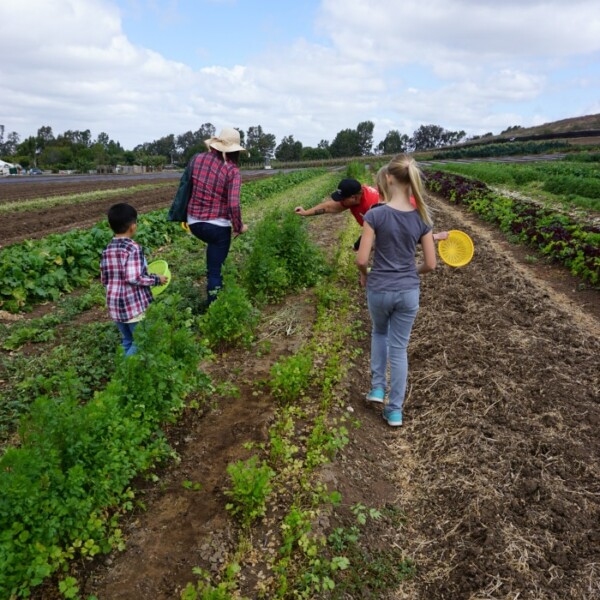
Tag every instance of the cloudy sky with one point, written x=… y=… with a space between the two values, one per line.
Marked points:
x=142 y=69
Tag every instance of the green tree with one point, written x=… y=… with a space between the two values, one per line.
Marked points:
x=83 y=139
x=9 y=147
x=43 y=138
x=260 y=145
x=57 y=157
x=189 y=143
x=28 y=148
x=309 y=153
x=434 y=136
x=288 y=149
x=346 y=143
x=393 y=143
x=365 y=137
x=103 y=139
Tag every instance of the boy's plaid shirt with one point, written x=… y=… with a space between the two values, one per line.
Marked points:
x=216 y=190
x=123 y=272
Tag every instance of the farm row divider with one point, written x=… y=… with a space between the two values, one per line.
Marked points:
x=309 y=430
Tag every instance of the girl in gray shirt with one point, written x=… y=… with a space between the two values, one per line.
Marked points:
x=393 y=281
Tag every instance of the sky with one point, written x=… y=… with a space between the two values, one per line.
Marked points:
x=139 y=70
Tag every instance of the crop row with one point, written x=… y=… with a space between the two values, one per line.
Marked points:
x=41 y=270
x=576 y=183
x=555 y=235
x=506 y=149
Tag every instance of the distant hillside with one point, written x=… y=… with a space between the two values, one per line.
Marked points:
x=587 y=123
x=579 y=130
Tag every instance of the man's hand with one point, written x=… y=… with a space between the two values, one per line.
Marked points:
x=163 y=279
x=300 y=211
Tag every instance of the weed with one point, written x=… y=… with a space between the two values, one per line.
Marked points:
x=205 y=590
x=282 y=258
x=193 y=486
x=291 y=376
x=324 y=442
x=250 y=488
x=230 y=320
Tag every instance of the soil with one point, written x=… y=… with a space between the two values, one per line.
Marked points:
x=495 y=470
x=62 y=218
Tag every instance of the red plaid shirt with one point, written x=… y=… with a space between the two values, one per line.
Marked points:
x=216 y=190
x=123 y=273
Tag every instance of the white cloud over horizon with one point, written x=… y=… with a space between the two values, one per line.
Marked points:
x=142 y=69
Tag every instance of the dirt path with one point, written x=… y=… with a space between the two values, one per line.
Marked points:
x=496 y=469
x=499 y=457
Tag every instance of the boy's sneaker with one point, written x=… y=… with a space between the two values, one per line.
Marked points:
x=376 y=395
x=392 y=417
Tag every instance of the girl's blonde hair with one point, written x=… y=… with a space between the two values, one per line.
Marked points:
x=404 y=169
x=382 y=184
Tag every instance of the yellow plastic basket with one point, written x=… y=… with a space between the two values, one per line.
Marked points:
x=159 y=267
x=185 y=227
x=457 y=250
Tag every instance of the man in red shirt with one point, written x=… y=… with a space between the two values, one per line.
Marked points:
x=350 y=195
x=353 y=196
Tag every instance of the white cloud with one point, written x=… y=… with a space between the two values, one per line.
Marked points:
x=465 y=29
x=462 y=64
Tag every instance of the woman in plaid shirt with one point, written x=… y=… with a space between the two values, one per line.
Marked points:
x=123 y=272
x=214 y=208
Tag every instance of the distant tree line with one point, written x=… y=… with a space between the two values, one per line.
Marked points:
x=78 y=150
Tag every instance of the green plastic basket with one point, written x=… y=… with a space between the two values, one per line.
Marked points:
x=159 y=267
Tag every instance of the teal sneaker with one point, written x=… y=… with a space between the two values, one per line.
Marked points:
x=376 y=395
x=392 y=417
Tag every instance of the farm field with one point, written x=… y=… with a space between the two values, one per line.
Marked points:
x=491 y=488
x=39 y=223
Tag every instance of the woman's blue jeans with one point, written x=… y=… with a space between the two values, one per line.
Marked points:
x=126 y=330
x=393 y=315
x=218 y=241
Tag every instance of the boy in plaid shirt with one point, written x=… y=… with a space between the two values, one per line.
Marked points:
x=123 y=271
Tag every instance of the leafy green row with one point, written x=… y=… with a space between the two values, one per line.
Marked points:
x=566 y=179
x=555 y=235
x=263 y=188
x=41 y=270
x=76 y=460
x=506 y=149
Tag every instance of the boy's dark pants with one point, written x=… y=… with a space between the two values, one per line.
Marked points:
x=126 y=330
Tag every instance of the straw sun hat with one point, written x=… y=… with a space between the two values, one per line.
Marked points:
x=227 y=141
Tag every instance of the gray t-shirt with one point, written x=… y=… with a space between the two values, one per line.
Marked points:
x=396 y=236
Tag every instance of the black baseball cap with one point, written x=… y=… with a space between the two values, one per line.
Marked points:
x=346 y=188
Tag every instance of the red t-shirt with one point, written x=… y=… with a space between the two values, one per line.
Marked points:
x=370 y=196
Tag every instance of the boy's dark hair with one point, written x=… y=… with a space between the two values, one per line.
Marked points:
x=121 y=216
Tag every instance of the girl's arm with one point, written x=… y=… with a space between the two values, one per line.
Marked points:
x=430 y=260
x=364 y=251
